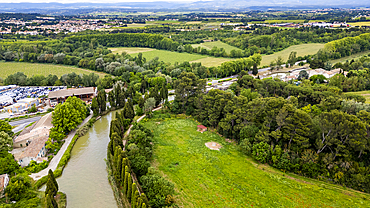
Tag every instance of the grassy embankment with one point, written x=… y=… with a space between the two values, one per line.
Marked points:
x=30 y=69
x=349 y=58
x=365 y=93
x=227 y=178
x=302 y=50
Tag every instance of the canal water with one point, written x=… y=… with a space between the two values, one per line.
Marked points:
x=84 y=179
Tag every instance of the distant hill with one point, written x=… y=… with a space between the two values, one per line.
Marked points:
x=213 y=5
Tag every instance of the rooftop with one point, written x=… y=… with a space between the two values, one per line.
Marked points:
x=44 y=122
x=33 y=134
x=201 y=127
x=34 y=148
x=71 y=92
x=26 y=100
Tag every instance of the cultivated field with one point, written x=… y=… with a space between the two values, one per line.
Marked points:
x=276 y=21
x=211 y=61
x=359 y=23
x=30 y=69
x=227 y=178
x=366 y=94
x=130 y=50
x=218 y=44
x=302 y=50
x=170 y=57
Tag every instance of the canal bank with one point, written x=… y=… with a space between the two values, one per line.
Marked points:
x=84 y=178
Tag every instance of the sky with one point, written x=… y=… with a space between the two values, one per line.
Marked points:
x=90 y=1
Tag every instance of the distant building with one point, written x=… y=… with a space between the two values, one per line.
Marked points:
x=23 y=105
x=201 y=128
x=5 y=100
x=86 y=94
x=4 y=181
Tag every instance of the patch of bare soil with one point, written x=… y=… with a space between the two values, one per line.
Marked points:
x=213 y=145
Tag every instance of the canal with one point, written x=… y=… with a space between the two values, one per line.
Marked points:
x=84 y=179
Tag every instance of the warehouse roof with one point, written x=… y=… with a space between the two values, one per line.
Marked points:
x=71 y=92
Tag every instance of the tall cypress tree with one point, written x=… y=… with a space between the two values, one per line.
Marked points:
x=50 y=202
x=139 y=201
x=125 y=183
x=51 y=175
x=133 y=196
x=119 y=168
x=129 y=187
x=50 y=188
x=123 y=171
x=144 y=198
x=133 y=189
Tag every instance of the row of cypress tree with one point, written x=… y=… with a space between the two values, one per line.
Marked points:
x=120 y=163
x=51 y=191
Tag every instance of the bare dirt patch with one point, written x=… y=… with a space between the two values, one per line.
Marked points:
x=213 y=145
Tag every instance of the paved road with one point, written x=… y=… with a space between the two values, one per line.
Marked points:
x=55 y=161
x=129 y=129
x=21 y=124
x=230 y=77
x=268 y=68
x=23 y=121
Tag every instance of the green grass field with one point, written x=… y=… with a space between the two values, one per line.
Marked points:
x=218 y=44
x=227 y=178
x=30 y=69
x=302 y=50
x=130 y=50
x=366 y=94
x=170 y=57
x=359 y=23
x=349 y=58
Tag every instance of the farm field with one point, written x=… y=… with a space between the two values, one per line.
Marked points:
x=211 y=61
x=366 y=94
x=218 y=44
x=227 y=178
x=30 y=69
x=276 y=21
x=359 y=23
x=302 y=50
x=349 y=58
x=130 y=50
x=171 y=57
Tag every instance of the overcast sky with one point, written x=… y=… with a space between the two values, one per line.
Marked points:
x=90 y=1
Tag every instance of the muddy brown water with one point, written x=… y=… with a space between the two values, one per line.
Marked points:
x=84 y=179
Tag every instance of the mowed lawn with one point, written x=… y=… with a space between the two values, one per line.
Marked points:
x=302 y=50
x=227 y=178
x=218 y=44
x=366 y=94
x=30 y=69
